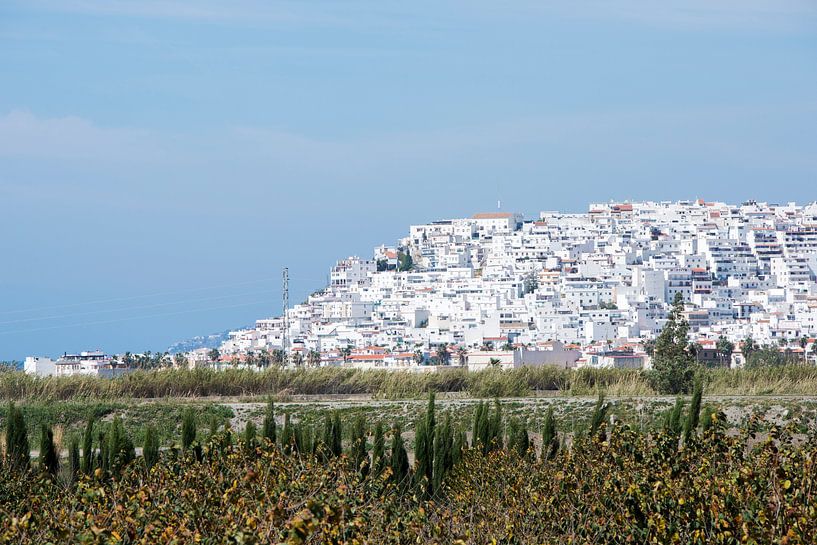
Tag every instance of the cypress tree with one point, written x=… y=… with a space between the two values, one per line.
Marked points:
x=421 y=458
x=513 y=431
x=121 y=451
x=49 y=459
x=399 y=457
x=443 y=444
x=286 y=435
x=337 y=436
x=691 y=422
x=324 y=448
x=378 y=449
x=249 y=437
x=550 y=439
x=599 y=414
x=483 y=440
x=307 y=440
x=74 y=459
x=706 y=418
x=18 y=453
x=495 y=435
x=298 y=437
x=268 y=430
x=477 y=426
x=214 y=425
x=358 y=454
x=522 y=445
x=102 y=455
x=88 y=448
x=188 y=429
x=150 y=450
x=424 y=448
x=672 y=422
x=457 y=446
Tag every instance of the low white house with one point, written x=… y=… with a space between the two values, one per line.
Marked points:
x=89 y=363
x=42 y=367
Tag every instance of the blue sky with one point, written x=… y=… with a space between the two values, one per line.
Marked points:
x=160 y=161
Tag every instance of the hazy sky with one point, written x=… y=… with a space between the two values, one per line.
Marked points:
x=160 y=161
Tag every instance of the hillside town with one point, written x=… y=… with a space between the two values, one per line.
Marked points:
x=566 y=289
x=580 y=289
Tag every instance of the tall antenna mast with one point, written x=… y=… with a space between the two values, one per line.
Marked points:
x=285 y=336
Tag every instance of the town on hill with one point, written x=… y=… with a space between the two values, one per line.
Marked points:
x=567 y=289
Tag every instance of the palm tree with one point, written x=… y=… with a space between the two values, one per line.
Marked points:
x=462 y=355
x=214 y=355
x=724 y=348
x=180 y=360
x=313 y=358
x=264 y=358
x=443 y=356
x=803 y=344
x=278 y=357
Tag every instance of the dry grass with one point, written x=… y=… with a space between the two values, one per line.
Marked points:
x=785 y=380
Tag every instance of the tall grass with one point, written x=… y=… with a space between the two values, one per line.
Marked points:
x=793 y=379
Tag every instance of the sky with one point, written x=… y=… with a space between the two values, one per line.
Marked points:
x=162 y=161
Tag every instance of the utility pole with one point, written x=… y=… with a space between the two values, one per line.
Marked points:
x=285 y=336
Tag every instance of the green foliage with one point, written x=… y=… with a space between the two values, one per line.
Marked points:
x=188 y=428
x=268 y=429
x=769 y=356
x=337 y=436
x=599 y=415
x=521 y=441
x=88 y=448
x=460 y=444
x=550 y=438
x=404 y=262
x=424 y=448
x=443 y=455
x=287 y=438
x=693 y=416
x=150 y=449
x=120 y=447
x=495 y=428
x=729 y=488
x=398 y=458
x=378 y=449
x=74 y=464
x=672 y=420
x=49 y=458
x=249 y=440
x=103 y=459
x=17 y=449
x=673 y=364
x=358 y=455
x=706 y=418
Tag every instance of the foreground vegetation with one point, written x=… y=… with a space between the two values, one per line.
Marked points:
x=689 y=481
x=330 y=381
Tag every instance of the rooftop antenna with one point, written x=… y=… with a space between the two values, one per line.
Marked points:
x=498 y=204
x=285 y=336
